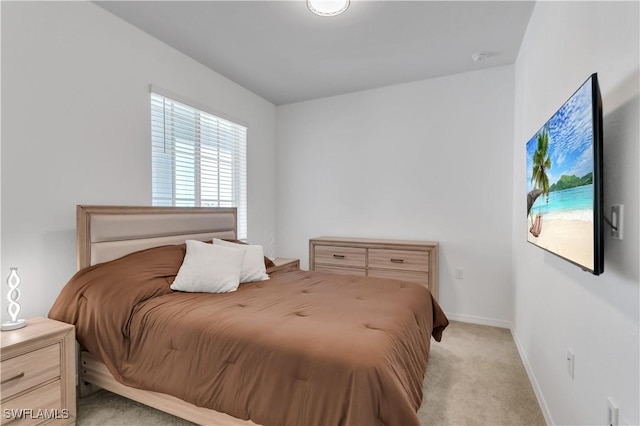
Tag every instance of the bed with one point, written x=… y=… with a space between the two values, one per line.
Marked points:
x=300 y=348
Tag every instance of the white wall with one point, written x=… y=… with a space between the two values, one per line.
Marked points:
x=557 y=306
x=76 y=130
x=426 y=160
x=429 y=160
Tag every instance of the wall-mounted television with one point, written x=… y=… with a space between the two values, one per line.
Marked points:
x=564 y=181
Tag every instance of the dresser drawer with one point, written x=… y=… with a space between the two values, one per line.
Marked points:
x=339 y=270
x=402 y=260
x=416 y=277
x=28 y=370
x=46 y=397
x=341 y=256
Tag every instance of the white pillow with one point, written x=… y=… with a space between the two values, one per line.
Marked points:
x=209 y=269
x=253 y=268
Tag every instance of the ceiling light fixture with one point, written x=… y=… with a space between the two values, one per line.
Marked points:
x=328 y=7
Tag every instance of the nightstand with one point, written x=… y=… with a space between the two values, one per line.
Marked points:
x=38 y=368
x=284 y=264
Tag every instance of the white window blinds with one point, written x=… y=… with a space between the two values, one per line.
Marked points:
x=198 y=159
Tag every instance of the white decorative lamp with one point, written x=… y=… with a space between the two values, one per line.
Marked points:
x=328 y=7
x=14 y=307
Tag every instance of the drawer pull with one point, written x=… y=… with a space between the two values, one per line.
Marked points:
x=339 y=256
x=16 y=377
x=397 y=260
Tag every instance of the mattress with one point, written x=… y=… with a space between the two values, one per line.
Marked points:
x=300 y=348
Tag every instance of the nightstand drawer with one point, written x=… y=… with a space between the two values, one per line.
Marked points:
x=46 y=397
x=28 y=370
x=403 y=260
x=341 y=256
x=284 y=264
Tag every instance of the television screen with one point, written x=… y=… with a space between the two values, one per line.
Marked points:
x=564 y=181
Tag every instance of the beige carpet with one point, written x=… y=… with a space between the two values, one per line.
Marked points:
x=474 y=377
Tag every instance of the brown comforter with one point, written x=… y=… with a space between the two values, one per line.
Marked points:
x=303 y=348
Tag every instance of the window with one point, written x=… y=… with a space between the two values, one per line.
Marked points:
x=198 y=159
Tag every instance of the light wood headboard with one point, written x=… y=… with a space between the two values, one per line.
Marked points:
x=107 y=232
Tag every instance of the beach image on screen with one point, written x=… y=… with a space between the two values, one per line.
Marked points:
x=560 y=181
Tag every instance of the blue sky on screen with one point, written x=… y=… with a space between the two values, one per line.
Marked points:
x=570 y=138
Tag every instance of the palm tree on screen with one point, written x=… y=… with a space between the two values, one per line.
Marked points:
x=541 y=163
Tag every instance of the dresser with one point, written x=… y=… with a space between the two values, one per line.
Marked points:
x=38 y=373
x=415 y=261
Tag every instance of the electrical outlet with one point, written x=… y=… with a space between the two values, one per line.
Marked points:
x=571 y=358
x=612 y=413
x=459 y=274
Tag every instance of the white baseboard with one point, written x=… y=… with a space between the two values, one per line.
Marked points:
x=479 y=320
x=532 y=378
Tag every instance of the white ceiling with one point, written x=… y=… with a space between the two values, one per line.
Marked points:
x=282 y=52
